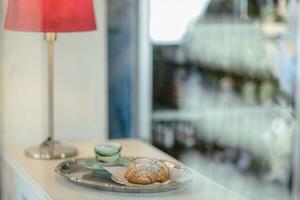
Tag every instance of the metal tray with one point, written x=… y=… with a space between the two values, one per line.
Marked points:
x=74 y=171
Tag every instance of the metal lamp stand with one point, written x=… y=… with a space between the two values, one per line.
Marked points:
x=50 y=149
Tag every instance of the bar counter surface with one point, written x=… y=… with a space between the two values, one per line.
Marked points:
x=37 y=180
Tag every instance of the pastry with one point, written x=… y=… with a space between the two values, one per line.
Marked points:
x=146 y=171
x=108 y=149
x=108 y=159
x=108 y=153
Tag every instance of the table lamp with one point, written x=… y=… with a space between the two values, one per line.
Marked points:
x=50 y=17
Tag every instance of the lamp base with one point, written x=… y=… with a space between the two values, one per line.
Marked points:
x=50 y=150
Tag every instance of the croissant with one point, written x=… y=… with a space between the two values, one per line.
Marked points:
x=146 y=171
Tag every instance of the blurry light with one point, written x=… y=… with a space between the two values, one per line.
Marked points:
x=169 y=19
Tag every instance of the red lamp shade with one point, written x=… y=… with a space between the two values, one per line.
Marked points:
x=50 y=15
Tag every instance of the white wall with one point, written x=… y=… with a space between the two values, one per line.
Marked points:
x=144 y=77
x=80 y=84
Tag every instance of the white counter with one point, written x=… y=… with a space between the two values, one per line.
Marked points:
x=36 y=179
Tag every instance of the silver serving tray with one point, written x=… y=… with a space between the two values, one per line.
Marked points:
x=74 y=171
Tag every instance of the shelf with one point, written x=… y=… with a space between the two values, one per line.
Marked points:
x=192 y=115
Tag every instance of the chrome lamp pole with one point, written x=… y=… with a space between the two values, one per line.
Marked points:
x=50 y=148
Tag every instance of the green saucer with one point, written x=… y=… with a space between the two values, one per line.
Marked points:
x=93 y=164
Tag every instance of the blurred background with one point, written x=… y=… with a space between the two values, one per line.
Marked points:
x=211 y=82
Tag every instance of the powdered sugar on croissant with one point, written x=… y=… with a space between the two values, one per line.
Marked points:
x=146 y=171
